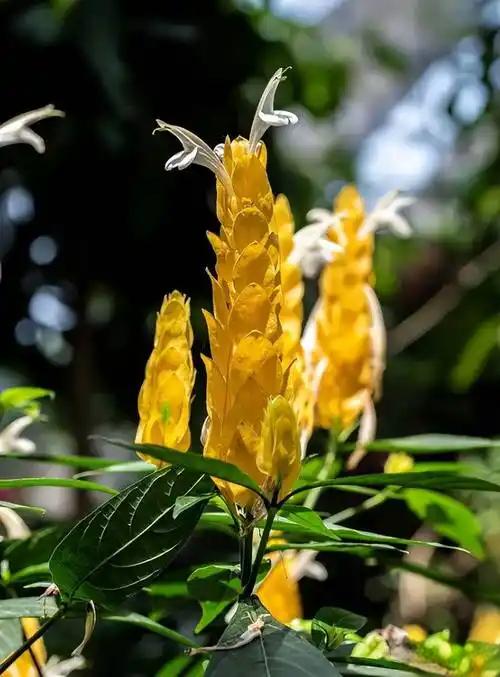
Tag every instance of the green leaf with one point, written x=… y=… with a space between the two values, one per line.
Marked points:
x=34 y=550
x=379 y=667
x=34 y=571
x=276 y=652
x=28 y=607
x=306 y=522
x=341 y=618
x=126 y=467
x=20 y=508
x=448 y=517
x=149 y=625
x=330 y=624
x=11 y=636
x=197 y=462
x=22 y=482
x=128 y=541
x=69 y=460
x=363 y=550
x=418 y=480
x=24 y=398
x=215 y=586
x=187 y=502
x=475 y=354
x=432 y=443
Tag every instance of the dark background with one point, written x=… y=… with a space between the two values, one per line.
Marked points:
x=390 y=95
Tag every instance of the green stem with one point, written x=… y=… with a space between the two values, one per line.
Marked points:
x=246 y=549
x=25 y=646
x=271 y=514
x=370 y=503
x=313 y=496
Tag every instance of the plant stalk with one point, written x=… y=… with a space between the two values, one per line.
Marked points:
x=246 y=550
x=250 y=584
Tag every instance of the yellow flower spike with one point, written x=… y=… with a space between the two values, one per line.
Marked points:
x=24 y=666
x=345 y=335
x=248 y=374
x=165 y=396
x=486 y=625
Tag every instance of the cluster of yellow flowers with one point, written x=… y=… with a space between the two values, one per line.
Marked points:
x=266 y=386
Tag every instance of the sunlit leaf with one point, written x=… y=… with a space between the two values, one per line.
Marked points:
x=28 y=607
x=127 y=542
x=275 y=651
x=448 y=517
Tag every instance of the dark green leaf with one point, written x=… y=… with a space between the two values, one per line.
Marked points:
x=197 y=462
x=330 y=624
x=22 y=482
x=28 y=607
x=150 y=626
x=419 y=480
x=128 y=541
x=448 y=517
x=276 y=652
x=433 y=443
x=11 y=636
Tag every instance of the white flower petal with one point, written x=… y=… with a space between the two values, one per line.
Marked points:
x=196 y=151
x=265 y=115
x=17 y=130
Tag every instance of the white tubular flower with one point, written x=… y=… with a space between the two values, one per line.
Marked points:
x=194 y=151
x=11 y=440
x=312 y=248
x=14 y=525
x=17 y=130
x=265 y=115
x=385 y=213
x=55 y=667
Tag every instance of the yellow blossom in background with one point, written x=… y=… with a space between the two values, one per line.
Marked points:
x=416 y=633
x=247 y=372
x=399 y=462
x=486 y=625
x=279 y=592
x=165 y=396
x=345 y=336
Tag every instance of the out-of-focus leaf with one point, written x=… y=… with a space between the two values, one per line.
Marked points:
x=275 y=651
x=23 y=482
x=36 y=549
x=69 y=460
x=20 y=508
x=418 y=480
x=28 y=607
x=149 y=625
x=448 y=517
x=329 y=625
x=475 y=355
x=128 y=466
x=434 y=443
x=11 y=636
x=127 y=542
x=23 y=398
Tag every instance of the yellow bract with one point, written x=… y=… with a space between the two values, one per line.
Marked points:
x=248 y=374
x=344 y=322
x=399 y=462
x=165 y=396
